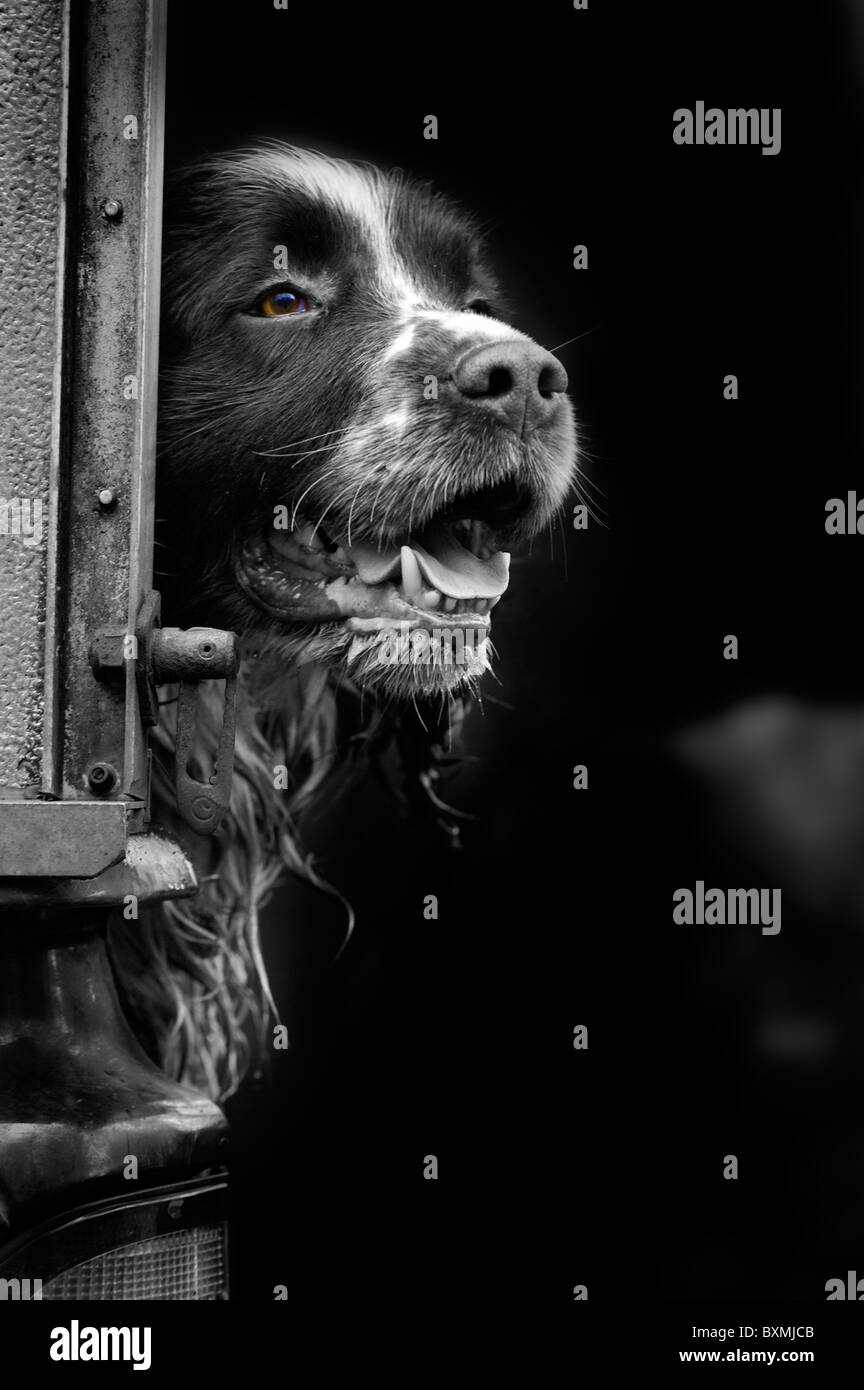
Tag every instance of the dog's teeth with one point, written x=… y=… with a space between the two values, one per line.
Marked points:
x=412 y=580
x=430 y=598
x=449 y=604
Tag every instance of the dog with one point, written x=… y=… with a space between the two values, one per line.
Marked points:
x=352 y=441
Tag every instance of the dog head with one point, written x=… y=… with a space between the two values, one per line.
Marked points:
x=352 y=438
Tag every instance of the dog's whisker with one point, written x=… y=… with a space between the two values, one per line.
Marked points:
x=229 y=408
x=387 y=513
x=337 y=501
x=323 y=514
x=432 y=507
x=495 y=700
x=560 y=522
x=595 y=507
x=411 y=514
x=595 y=510
x=375 y=503
x=574 y=340
x=316 y=482
x=351 y=511
x=589 y=506
x=581 y=479
x=384 y=520
x=302 y=454
x=492 y=672
x=296 y=443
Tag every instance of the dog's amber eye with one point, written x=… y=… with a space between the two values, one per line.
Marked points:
x=283 y=302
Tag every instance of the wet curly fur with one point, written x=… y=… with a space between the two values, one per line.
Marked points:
x=191 y=970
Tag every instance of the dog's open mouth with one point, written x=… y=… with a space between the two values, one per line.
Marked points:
x=452 y=568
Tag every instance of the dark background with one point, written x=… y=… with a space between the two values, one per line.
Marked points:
x=454 y=1037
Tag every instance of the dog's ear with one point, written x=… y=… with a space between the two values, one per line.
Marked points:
x=187 y=221
x=207 y=205
x=195 y=253
x=177 y=228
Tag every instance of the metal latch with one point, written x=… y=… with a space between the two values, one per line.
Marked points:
x=174 y=655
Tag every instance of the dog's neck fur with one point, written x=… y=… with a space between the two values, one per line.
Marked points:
x=191 y=970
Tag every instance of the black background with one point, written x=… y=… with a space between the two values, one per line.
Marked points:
x=453 y=1037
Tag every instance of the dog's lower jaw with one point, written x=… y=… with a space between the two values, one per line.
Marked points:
x=403 y=663
x=377 y=613
x=395 y=663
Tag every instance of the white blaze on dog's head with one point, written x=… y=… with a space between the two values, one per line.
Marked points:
x=356 y=191
x=401 y=343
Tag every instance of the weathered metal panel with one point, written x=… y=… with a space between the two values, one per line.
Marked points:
x=33 y=104
x=114 y=372
x=79 y=839
x=81 y=112
x=155 y=868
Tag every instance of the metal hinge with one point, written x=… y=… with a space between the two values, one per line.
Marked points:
x=172 y=655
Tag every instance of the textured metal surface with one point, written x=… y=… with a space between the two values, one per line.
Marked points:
x=114 y=375
x=32 y=161
x=77 y=1094
x=81 y=110
x=154 y=868
x=201 y=654
x=78 y=839
x=190 y=657
x=167 y=655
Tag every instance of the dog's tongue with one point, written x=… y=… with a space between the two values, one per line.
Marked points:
x=444 y=564
x=459 y=573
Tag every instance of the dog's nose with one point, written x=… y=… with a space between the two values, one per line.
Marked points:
x=517 y=382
